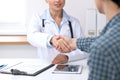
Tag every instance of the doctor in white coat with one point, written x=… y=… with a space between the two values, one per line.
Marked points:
x=44 y=28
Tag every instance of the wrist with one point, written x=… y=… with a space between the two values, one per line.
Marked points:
x=73 y=42
x=66 y=58
x=52 y=40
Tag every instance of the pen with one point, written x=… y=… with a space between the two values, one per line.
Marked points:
x=42 y=70
x=3 y=72
x=2 y=65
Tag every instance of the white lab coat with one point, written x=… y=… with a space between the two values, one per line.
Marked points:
x=40 y=36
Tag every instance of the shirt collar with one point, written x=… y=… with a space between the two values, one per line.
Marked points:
x=110 y=23
x=115 y=19
x=47 y=16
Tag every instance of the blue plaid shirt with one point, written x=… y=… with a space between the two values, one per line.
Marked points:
x=104 y=59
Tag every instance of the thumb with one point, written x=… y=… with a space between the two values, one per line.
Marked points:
x=57 y=37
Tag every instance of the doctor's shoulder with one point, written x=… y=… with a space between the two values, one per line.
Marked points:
x=74 y=19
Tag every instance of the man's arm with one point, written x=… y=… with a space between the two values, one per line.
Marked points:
x=84 y=43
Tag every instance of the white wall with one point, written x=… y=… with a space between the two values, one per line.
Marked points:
x=76 y=8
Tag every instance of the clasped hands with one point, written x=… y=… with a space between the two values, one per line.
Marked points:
x=63 y=44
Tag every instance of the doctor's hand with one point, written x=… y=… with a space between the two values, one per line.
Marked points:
x=70 y=42
x=60 y=59
x=60 y=44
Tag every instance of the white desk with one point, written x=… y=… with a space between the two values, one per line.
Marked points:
x=46 y=75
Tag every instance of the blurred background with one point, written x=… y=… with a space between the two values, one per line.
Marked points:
x=15 y=16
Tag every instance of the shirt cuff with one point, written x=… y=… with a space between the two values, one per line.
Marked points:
x=48 y=41
x=68 y=55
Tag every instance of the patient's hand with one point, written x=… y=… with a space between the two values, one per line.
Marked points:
x=60 y=59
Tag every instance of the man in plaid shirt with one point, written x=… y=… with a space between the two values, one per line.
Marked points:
x=104 y=59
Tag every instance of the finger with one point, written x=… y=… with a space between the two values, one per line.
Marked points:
x=60 y=59
x=62 y=46
x=56 y=61
x=61 y=50
x=65 y=46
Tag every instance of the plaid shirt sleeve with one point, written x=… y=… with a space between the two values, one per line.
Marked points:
x=84 y=43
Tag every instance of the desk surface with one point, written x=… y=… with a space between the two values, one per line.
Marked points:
x=46 y=75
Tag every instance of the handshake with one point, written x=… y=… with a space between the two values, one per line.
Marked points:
x=63 y=44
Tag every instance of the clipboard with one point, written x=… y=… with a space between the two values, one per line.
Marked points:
x=18 y=69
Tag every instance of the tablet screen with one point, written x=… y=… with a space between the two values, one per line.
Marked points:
x=68 y=69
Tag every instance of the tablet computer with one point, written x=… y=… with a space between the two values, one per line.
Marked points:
x=70 y=69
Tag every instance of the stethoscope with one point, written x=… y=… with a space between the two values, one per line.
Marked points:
x=70 y=26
